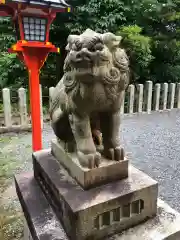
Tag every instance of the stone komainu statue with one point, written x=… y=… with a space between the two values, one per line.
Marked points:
x=88 y=97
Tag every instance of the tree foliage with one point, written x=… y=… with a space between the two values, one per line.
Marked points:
x=150 y=30
x=12 y=71
x=138 y=48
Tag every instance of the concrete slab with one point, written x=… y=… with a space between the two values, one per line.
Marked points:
x=43 y=223
x=107 y=171
x=97 y=212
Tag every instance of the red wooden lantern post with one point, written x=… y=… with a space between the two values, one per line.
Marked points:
x=32 y=21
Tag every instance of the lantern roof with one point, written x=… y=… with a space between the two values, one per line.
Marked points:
x=48 y=3
x=8 y=6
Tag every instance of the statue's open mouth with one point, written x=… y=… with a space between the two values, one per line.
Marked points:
x=82 y=59
x=84 y=71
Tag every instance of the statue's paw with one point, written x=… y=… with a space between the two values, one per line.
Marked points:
x=116 y=154
x=91 y=160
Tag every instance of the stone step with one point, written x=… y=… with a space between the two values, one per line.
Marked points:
x=41 y=220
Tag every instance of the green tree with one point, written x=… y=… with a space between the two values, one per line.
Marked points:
x=160 y=20
x=138 y=48
x=12 y=71
x=150 y=30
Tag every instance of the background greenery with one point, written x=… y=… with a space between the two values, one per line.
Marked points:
x=150 y=30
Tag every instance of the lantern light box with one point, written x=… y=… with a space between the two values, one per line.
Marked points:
x=32 y=18
x=32 y=21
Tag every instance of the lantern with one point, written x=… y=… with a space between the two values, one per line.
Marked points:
x=32 y=20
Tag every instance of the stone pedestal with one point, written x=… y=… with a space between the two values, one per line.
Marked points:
x=165 y=226
x=57 y=207
x=100 y=211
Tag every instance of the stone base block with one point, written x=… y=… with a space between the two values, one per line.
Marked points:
x=97 y=212
x=108 y=171
x=40 y=217
x=42 y=223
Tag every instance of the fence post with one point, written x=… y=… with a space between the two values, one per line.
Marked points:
x=7 y=107
x=148 y=96
x=51 y=90
x=140 y=89
x=130 y=107
x=164 y=96
x=171 y=95
x=41 y=106
x=122 y=103
x=157 y=96
x=23 y=107
x=178 y=95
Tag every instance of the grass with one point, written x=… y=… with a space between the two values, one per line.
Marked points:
x=11 y=219
x=7 y=168
x=11 y=224
x=5 y=139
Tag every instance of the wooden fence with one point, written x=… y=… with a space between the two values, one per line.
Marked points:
x=137 y=99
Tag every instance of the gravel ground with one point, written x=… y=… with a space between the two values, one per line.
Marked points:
x=153 y=144
x=150 y=140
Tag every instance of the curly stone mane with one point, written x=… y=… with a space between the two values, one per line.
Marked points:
x=111 y=69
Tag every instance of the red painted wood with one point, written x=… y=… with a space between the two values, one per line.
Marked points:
x=35 y=107
x=34 y=55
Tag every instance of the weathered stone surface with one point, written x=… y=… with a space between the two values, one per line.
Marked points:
x=44 y=224
x=26 y=234
x=16 y=129
x=100 y=211
x=165 y=226
x=107 y=171
x=7 y=107
x=87 y=100
x=23 y=106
